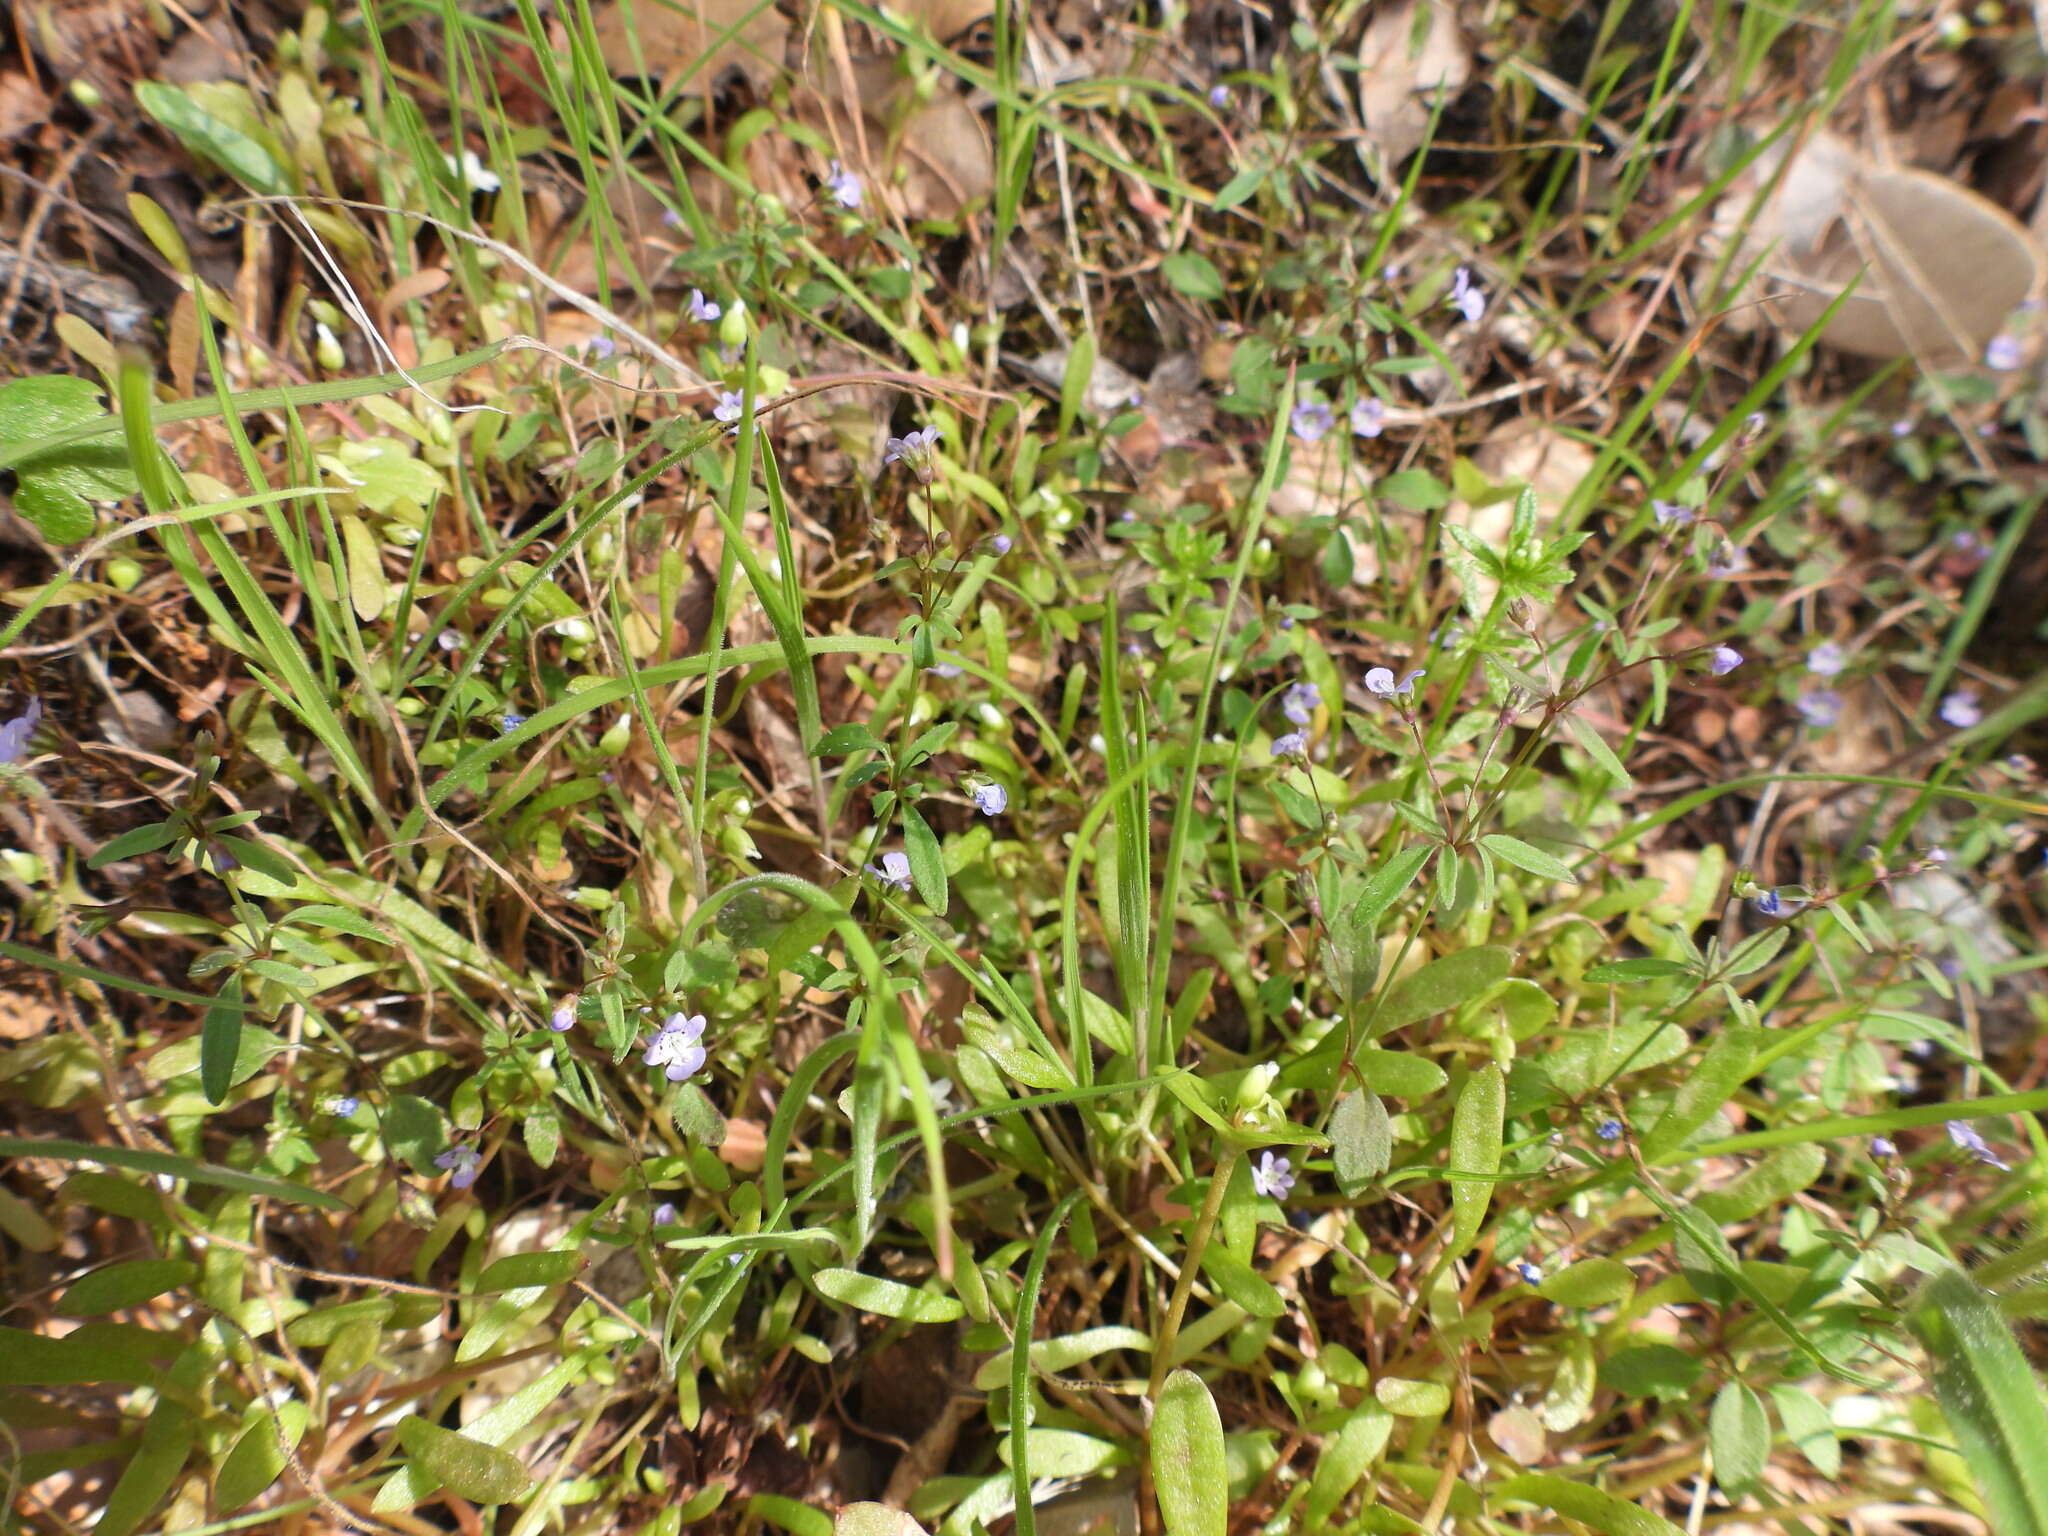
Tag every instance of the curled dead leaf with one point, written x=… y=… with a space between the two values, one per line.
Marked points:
x=1940 y=267
x=1400 y=74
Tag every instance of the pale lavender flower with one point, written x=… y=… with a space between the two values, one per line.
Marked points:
x=913 y=448
x=1883 y=1146
x=991 y=799
x=1724 y=660
x=449 y=639
x=1819 y=707
x=1608 y=1130
x=1381 y=680
x=730 y=408
x=1219 y=96
x=1727 y=560
x=15 y=733
x=2002 y=353
x=677 y=1046
x=1530 y=1274
x=1299 y=702
x=509 y=722
x=670 y=219
x=843 y=186
x=702 y=310
x=345 y=1107
x=1272 y=1176
x=1293 y=744
x=563 y=1018
x=1965 y=1136
x=1961 y=709
x=1368 y=417
x=1466 y=296
x=1969 y=543
x=1001 y=543
x=602 y=347
x=944 y=669
x=1311 y=419
x=1771 y=904
x=463 y=1162
x=1671 y=514
x=1903 y=427
x=666 y=1214
x=893 y=870
x=1826 y=659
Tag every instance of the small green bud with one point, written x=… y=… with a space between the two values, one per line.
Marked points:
x=327 y=350
x=122 y=573
x=732 y=328
x=1257 y=1085
x=614 y=740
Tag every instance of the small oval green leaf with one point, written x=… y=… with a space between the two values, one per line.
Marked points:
x=1189 y=1469
x=886 y=1298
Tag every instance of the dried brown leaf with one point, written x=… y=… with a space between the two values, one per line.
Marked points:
x=696 y=41
x=1400 y=73
x=1940 y=267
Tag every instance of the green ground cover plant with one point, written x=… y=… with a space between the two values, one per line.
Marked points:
x=973 y=768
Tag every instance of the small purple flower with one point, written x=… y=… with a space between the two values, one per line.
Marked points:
x=843 y=186
x=15 y=733
x=893 y=870
x=1724 y=660
x=1368 y=417
x=1961 y=709
x=1970 y=544
x=730 y=408
x=702 y=310
x=1608 y=1130
x=449 y=640
x=563 y=1018
x=991 y=799
x=344 y=1108
x=677 y=1047
x=1671 y=514
x=1272 y=1176
x=912 y=445
x=602 y=346
x=1310 y=419
x=509 y=722
x=1381 y=680
x=1936 y=855
x=670 y=219
x=666 y=1214
x=1466 y=296
x=1219 y=96
x=1771 y=904
x=1727 y=560
x=1299 y=702
x=1883 y=1146
x=1293 y=744
x=1530 y=1274
x=1287 y=621
x=944 y=669
x=461 y=1161
x=2002 y=353
x=1965 y=1136
x=1826 y=659
x=1001 y=543
x=1903 y=427
x=1819 y=707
